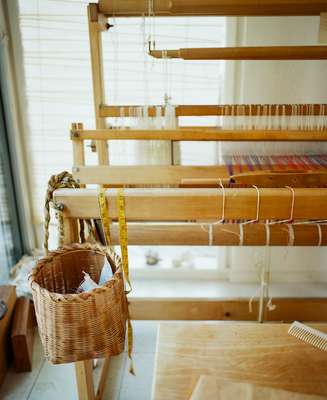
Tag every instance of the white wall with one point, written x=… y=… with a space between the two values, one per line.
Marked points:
x=276 y=82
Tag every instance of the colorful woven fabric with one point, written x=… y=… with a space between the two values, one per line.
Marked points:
x=237 y=164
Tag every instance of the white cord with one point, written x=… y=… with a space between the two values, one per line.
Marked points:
x=291 y=234
x=267 y=233
x=252 y=220
x=319 y=234
x=290 y=219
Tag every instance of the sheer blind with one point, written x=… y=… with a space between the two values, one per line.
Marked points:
x=59 y=85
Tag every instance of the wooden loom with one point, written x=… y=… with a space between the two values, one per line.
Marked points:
x=201 y=205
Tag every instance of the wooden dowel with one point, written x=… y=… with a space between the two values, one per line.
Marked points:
x=213 y=7
x=216 y=110
x=198 y=204
x=152 y=234
x=202 y=135
x=246 y=53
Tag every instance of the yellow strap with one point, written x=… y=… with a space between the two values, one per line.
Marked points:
x=104 y=215
x=123 y=236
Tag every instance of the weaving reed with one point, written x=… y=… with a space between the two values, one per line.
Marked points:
x=82 y=326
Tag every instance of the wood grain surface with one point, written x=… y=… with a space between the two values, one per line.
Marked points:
x=211 y=388
x=262 y=354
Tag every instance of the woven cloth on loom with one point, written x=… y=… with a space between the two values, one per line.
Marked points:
x=238 y=164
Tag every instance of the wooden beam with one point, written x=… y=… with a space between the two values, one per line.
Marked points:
x=96 y=25
x=84 y=380
x=218 y=110
x=196 y=176
x=134 y=8
x=246 y=53
x=287 y=309
x=196 y=234
x=202 y=135
x=103 y=379
x=264 y=179
x=198 y=204
x=78 y=146
x=145 y=175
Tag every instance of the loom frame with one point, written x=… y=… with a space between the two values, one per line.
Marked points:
x=77 y=201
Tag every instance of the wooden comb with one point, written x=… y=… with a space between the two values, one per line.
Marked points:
x=309 y=335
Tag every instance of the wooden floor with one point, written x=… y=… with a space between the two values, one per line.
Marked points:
x=58 y=382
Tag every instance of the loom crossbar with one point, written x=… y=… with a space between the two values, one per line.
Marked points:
x=170 y=204
x=246 y=53
x=133 y=8
x=188 y=110
x=204 y=134
x=227 y=234
x=199 y=176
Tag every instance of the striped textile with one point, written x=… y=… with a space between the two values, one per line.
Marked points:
x=237 y=164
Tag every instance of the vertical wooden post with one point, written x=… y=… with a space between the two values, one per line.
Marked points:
x=78 y=147
x=83 y=369
x=97 y=24
x=84 y=379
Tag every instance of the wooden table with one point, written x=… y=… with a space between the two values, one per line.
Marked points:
x=257 y=353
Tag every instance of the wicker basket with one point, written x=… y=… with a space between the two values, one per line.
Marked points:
x=82 y=326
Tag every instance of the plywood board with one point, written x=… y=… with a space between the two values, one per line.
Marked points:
x=261 y=354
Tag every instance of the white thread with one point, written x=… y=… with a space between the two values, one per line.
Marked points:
x=290 y=219
x=267 y=233
x=210 y=235
x=241 y=235
x=258 y=208
x=256 y=293
x=222 y=219
x=252 y=220
x=319 y=234
x=291 y=235
x=293 y=202
x=270 y=305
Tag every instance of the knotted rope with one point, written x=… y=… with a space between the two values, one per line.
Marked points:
x=60 y=181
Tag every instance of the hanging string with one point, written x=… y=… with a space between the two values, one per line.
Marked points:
x=267 y=227
x=291 y=235
x=290 y=219
x=221 y=220
x=241 y=243
x=319 y=235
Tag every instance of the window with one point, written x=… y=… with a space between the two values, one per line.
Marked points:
x=10 y=238
x=59 y=91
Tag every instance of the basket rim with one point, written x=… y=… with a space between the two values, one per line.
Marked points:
x=74 y=247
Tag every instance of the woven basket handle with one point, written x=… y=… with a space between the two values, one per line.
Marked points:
x=60 y=181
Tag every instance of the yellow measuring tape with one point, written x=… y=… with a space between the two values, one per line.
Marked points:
x=124 y=256
x=104 y=213
x=123 y=236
